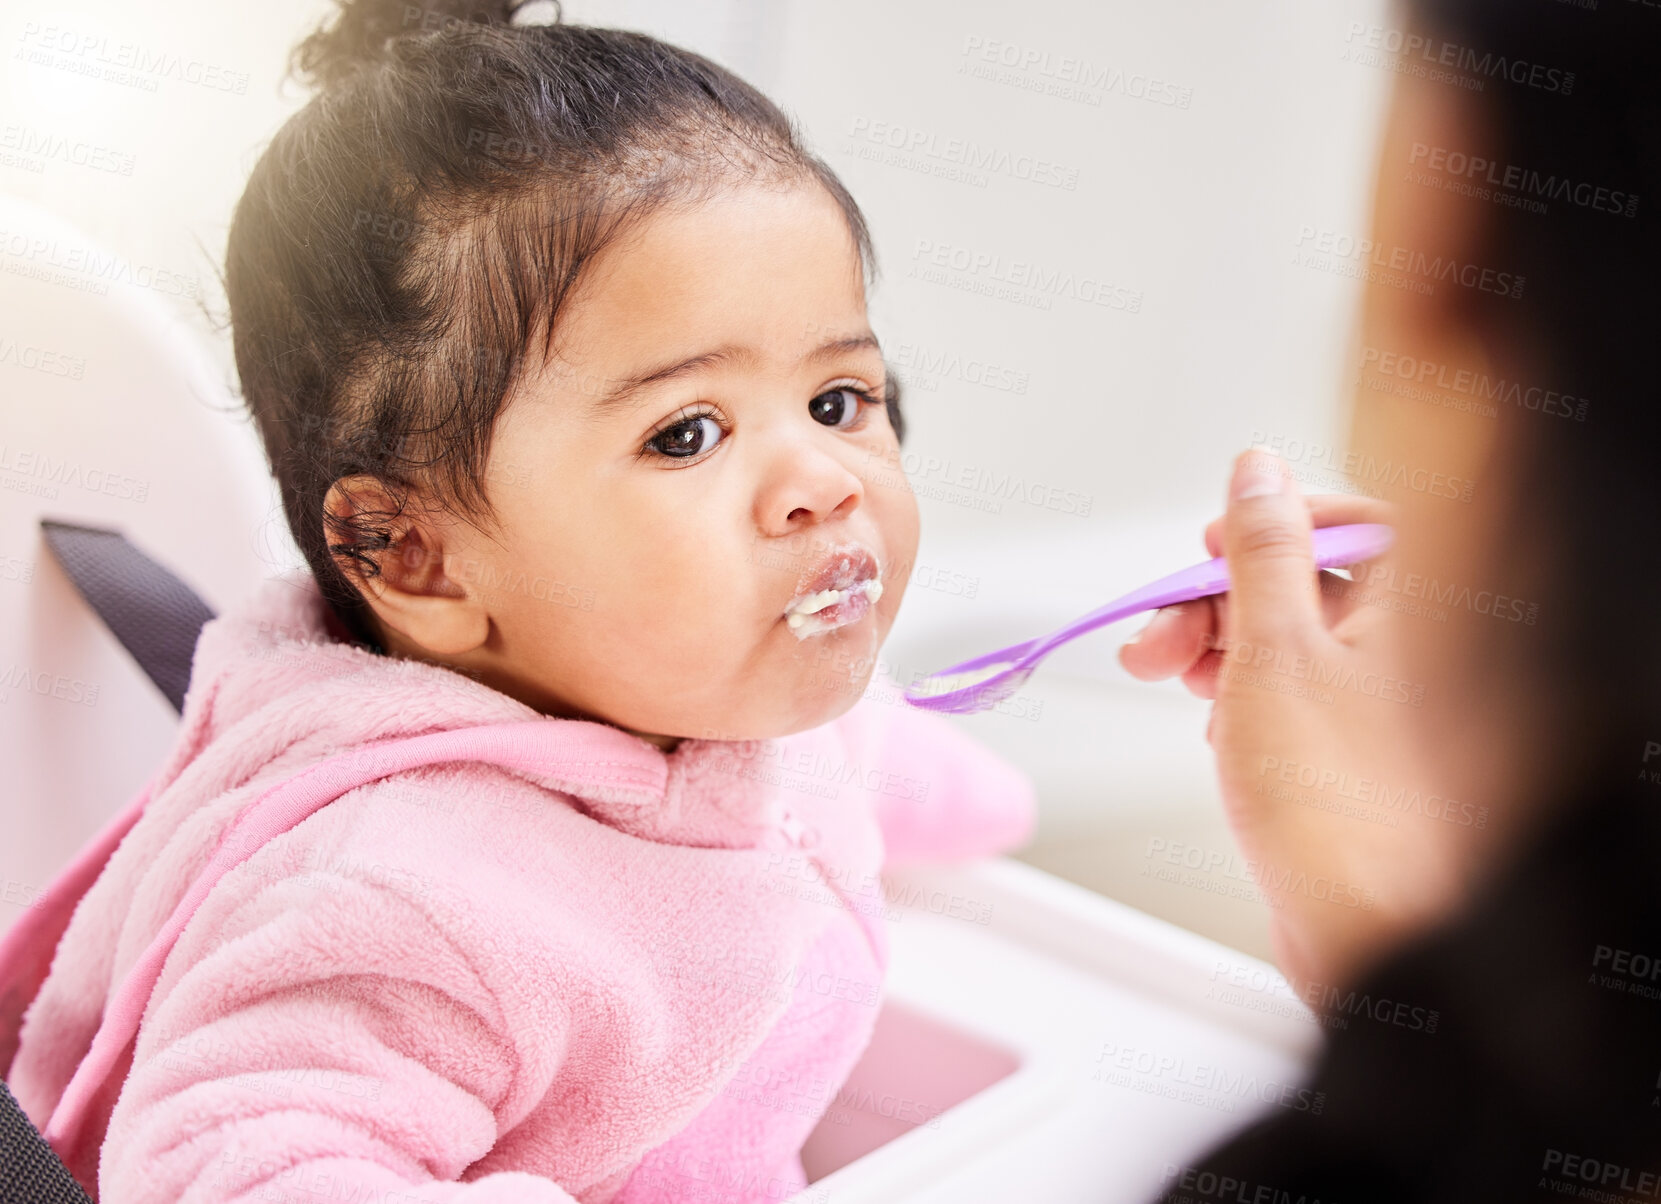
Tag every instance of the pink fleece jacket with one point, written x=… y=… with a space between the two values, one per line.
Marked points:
x=551 y=963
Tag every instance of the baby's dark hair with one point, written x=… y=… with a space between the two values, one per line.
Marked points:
x=409 y=231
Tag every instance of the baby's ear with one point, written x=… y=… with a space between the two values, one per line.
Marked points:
x=394 y=556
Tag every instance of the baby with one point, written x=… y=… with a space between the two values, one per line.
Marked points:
x=556 y=338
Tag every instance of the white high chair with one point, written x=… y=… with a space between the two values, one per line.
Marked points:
x=1036 y=1042
x=122 y=422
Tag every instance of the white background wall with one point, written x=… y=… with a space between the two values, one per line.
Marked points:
x=1191 y=210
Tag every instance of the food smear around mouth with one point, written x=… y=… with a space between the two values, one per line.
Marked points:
x=829 y=609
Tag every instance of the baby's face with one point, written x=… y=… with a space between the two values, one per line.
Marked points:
x=702 y=528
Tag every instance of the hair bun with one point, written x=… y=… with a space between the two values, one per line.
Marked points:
x=363 y=28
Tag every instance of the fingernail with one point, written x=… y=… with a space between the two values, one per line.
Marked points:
x=1159 y=616
x=1256 y=474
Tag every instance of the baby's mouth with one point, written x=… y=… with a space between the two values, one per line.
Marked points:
x=838 y=591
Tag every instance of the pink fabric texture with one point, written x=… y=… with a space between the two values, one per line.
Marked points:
x=537 y=960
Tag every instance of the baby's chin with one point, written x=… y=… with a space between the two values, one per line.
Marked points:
x=814 y=709
x=815 y=681
x=829 y=698
x=814 y=697
x=832 y=671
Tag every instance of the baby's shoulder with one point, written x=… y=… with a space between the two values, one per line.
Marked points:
x=457 y=824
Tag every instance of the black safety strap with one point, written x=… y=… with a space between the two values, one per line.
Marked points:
x=156 y=616
x=30 y=1172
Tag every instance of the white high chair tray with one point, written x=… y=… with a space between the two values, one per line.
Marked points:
x=1135 y=1046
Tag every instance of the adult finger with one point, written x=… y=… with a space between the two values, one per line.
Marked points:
x=1325 y=510
x=1273 y=601
x=1174 y=639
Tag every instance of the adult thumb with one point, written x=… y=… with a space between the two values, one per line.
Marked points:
x=1273 y=600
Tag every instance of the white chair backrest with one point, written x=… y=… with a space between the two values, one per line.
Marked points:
x=111 y=414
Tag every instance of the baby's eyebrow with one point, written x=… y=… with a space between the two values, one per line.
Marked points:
x=626 y=387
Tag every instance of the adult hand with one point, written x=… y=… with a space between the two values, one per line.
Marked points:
x=1313 y=732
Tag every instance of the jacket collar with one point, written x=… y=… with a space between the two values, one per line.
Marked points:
x=282 y=662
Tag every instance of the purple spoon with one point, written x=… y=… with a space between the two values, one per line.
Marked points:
x=1335 y=547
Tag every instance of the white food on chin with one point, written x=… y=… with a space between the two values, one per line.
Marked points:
x=801 y=616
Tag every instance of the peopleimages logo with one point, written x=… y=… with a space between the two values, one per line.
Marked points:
x=1477 y=386
x=1042 y=282
x=41 y=359
x=35 y=145
x=1525 y=180
x=1367 y=471
x=1257 y=988
x=47 y=475
x=965 y=153
x=1436 y=58
x=84 y=266
x=1064 y=75
x=1174 y=1076
x=130 y=63
x=927 y=476
x=1343 y=784
x=1273 y=879
x=1399 y=266
x=1606 y=1175
x=950 y=365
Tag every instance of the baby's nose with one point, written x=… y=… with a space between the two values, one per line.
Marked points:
x=808 y=488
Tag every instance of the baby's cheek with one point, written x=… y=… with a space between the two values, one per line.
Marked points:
x=902 y=525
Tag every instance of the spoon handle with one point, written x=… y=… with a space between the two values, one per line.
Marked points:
x=1334 y=548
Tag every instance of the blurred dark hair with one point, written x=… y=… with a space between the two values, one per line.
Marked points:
x=1575 y=91
x=409 y=231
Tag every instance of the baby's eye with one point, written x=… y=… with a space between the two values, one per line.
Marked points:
x=688 y=438
x=839 y=407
